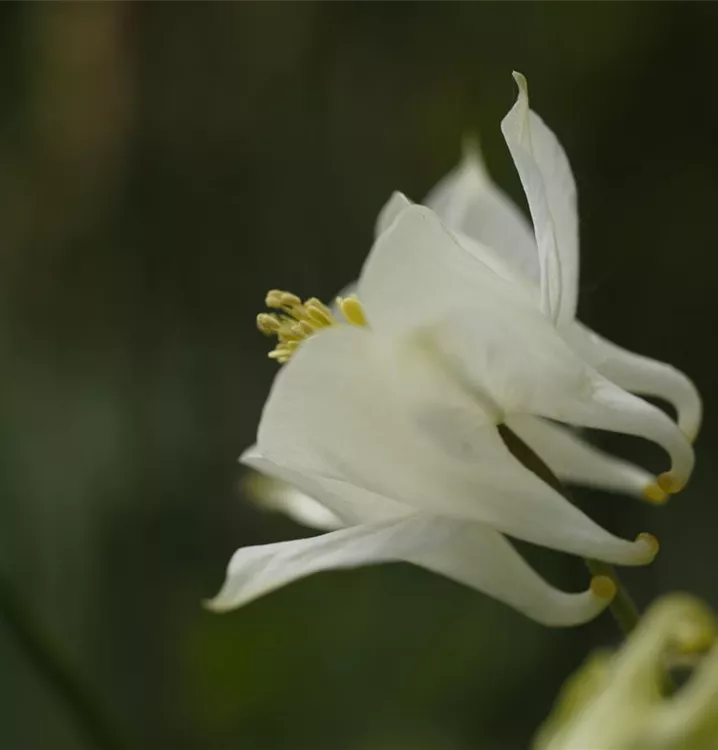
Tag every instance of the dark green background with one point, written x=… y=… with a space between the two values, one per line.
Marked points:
x=163 y=165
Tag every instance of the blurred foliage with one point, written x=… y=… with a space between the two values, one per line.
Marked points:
x=163 y=165
x=659 y=690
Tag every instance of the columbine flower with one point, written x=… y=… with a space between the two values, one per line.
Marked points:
x=618 y=702
x=387 y=409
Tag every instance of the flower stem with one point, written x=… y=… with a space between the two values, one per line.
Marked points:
x=88 y=715
x=623 y=608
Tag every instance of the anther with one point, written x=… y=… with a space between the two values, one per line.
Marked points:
x=268 y=324
x=352 y=310
x=318 y=318
x=273 y=298
x=289 y=300
x=303 y=328
x=298 y=320
x=282 y=353
x=319 y=315
x=313 y=302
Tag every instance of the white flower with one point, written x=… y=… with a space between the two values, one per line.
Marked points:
x=390 y=420
x=618 y=702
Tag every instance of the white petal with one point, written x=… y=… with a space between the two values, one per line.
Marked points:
x=418 y=272
x=255 y=571
x=500 y=263
x=348 y=409
x=280 y=496
x=481 y=558
x=551 y=194
x=419 y=278
x=494 y=261
x=469 y=553
x=609 y=407
x=468 y=202
x=306 y=510
x=575 y=461
x=518 y=362
x=346 y=504
x=391 y=209
x=640 y=375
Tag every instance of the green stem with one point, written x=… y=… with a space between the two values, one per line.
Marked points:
x=90 y=718
x=623 y=609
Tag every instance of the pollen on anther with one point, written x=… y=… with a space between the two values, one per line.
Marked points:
x=289 y=300
x=303 y=329
x=319 y=316
x=352 y=310
x=268 y=324
x=273 y=298
x=295 y=321
x=314 y=303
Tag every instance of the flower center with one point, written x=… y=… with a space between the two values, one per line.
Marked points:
x=297 y=320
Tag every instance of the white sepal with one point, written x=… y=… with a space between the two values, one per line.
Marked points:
x=469 y=203
x=574 y=460
x=640 y=374
x=550 y=190
x=471 y=554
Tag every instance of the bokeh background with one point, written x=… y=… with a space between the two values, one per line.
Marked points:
x=163 y=165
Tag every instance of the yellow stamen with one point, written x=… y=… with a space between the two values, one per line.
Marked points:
x=352 y=310
x=279 y=353
x=303 y=329
x=603 y=587
x=319 y=316
x=300 y=320
x=273 y=298
x=654 y=494
x=317 y=304
x=268 y=324
x=287 y=299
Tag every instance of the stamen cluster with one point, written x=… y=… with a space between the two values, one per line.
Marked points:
x=297 y=320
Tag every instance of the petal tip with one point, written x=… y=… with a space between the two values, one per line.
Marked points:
x=651 y=545
x=249 y=456
x=670 y=483
x=602 y=587
x=470 y=145
x=472 y=159
x=654 y=494
x=691 y=434
x=390 y=211
x=521 y=82
x=215 y=605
